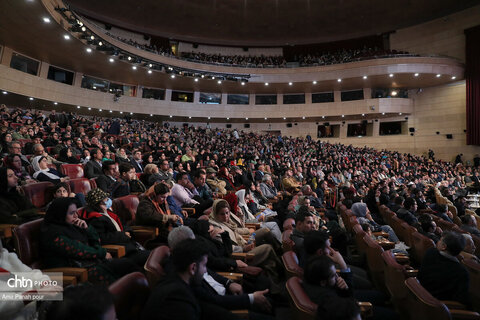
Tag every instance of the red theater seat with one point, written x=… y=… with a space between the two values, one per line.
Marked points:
x=74 y=171
x=37 y=193
x=130 y=293
x=81 y=185
x=126 y=208
x=154 y=265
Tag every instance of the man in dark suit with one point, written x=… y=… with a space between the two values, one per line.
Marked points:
x=109 y=176
x=93 y=168
x=136 y=161
x=442 y=274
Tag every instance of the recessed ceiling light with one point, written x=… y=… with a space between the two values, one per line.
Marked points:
x=66 y=37
x=439 y=75
x=129 y=58
x=303 y=118
x=89 y=108
x=284 y=118
x=399 y=113
x=242 y=83
x=111 y=60
x=290 y=83
x=343 y=116
x=172 y=76
x=4 y=92
x=191 y=118
x=394 y=93
x=383 y=113
x=84 y=29
x=171 y=116
x=453 y=78
x=219 y=81
x=314 y=82
x=111 y=111
x=228 y=118
x=151 y=115
x=364 y=77
x=46 y=20
x=266 y=118
x=363 y=114
x=339 y=80
x=55 y=103
x=149 y=71
x=88 y=50
x=416 y=74
x=30 y=98
x=203 y=76
x=196 y=79
x=150 y=65
x=121 y=112
x=134 y=67
x=246 y=118
x=266 y=83
x=78 y=107
x=100 y=110
x=323 y=117
x=208 y=118
x=391 y=75
x=92 y=37
x=131 y=113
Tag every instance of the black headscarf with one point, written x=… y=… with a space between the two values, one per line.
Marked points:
x=54 y=221
x=20 y=201
x=3 y=181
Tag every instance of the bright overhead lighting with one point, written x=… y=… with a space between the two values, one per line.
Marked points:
x=171 y=116
x=363 y=114
x=323 y=117
x=100 y=110
x=196 y=79
x=88 y=50
x=100 y=43
x=213 y=78
x=129 y=58
x=134 y=67
x=149 y=71
x=131 y=113
x=4 y=92
x=203 y=76
x=391 y=75
x=189 y=117
x=284 y=118
x=170 y=68
x=121 y=112
x=453 y=78
x=246 y=118
x=111 y=60
x=151 y=115
x=303 y=118
x=111 y=111
x=394 y=93
x=78 y=107
x=228 y=118
x=46 y=20
x=242 y=83
x=266 y=83
x=383 y=113
x=66 y=37
x=150 y=65
x=339 y=80
x=94 y=88
x=290 y=83
x=172 y=76
x=92 y=37
x=314 y=82
x=343 y=116
x=55 y=103
x=266 y=118
x=219 y=81
x=399 y=113
x=364 y=77
x=89 y=108
x=30 y=98
x=208 y=118
x=439 y=75
x=416 y=74
x=84 y=29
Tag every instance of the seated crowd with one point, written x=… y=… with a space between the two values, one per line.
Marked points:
x=222 y=202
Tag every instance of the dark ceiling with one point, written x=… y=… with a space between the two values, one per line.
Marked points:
x=266 y=22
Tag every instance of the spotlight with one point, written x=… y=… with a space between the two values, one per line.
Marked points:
x=303 y=118
x=78 y=107
x=242 y=83
x=343 y=116
x=189 y=117
x=314 y=82
x=391 y=75
x=134 y=67
x=150 y=65
x=364 y=77
x=46 y=20
x=121 y=112
x=151 y=115
x=290 y=83
x=129 y=58
x=92 y=37
x=66 y=37
x=100 y=110
x=383 y=113
x=149 y=71
x=88 y=50
x=416 y=74
x=284 y=118
x=203 y=76
x=266 y=83
x=323 y=117
x=228 y=118
x=55 y=103
x=394 y=93
x=453 y=78
x=131 y=113
x=399 y=113
x=31 y=99
x=84 y=29
x=246 y=118
x=172 y=76
x=111 y=60
x=208 y=118
x=339 y=80
x=363 y=114
x=171 y=116
x=439 y=75
x=111 y=111
x=100 y=43
x=196 y=79
x=89 y=108
x=266 y=118
x=4 y=92
x=219 y=81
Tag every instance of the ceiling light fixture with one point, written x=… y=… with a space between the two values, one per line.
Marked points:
x=266 y=83
x=203 y=76
x=78 y=107
x=219 y=81
x=189 y=117
x=150 y=65
x=323 y=117
x=383 y=113
x=31 y=99
x=66 y=37
x=84 y=29
x=453 y=78
x=111 y=60
x=46 y=20
x=246 y=118
x=439 y=75
x=266 y=118
x=196 y=79
x=134 y=67
x=364 y=77
x=399 y=113
x=172 y=76
x=55 y=103
x=129 y=58
x=88 y=50
x=100 y=110
x=339 y=80
x=171 y=116
x=89 y=108
x=131 y=113
x=303 y=118
x=208 y=118
x=4 y=92
x=363 y=114
x=100 y=43
x=290 y=83
x=343 y=116
x=394 y=93
x=391 y=75
x=151 y=115
x=416 y=74
x=314 y=82
x=92 y=37
x=228 y=118
x=284 y=118
x=242 y=83
x=149 y=71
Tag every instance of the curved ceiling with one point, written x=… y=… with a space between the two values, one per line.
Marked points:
x=266 y=22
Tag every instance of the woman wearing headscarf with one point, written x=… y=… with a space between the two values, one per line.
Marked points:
x=360 y=210
x=15 y=208
x=224 y=175
x=66 y=155
x=153 y=211
x=44 y=173
x=109 y=227
x=14 y=162
x=244 y=196
x=67 y=241
x=121 y=156
x=265 y=256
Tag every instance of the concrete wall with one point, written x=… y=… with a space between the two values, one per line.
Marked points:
x=443 y=36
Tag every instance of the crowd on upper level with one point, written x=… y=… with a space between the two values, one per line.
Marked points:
x=211 y=184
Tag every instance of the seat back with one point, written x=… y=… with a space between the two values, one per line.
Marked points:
x=154 y=265
x=130 y=293
x=359 y=234
x=93 y=183
x=26 y=238
x=420 y=244
x=386 y=214
x=287 y=243
x=375 y=262
x=394 y=279
x=126 y=208
x=405 y=233
x=290 y=261
x=37 y=193
x=74 y=171
x=473 y=268
x=422 y=305
x=396 y=224
x=80 y=185
x=303 y=307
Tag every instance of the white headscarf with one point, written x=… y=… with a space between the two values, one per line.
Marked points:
x=243 y=205
x=38 y=170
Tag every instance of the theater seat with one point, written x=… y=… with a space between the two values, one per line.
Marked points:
x=422 y=305
x=290 y=262
x=130 y=293
x=154 y=265
x=80 y=185
x=26 y=239
x=93 y=183
x=38 y=193
x=303 y=307
x=420 y=244
x=473 y=268
x=374 y=261
x=74 y=171
x=126 y=208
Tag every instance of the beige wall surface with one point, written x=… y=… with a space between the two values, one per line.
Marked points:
x=443 y=36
